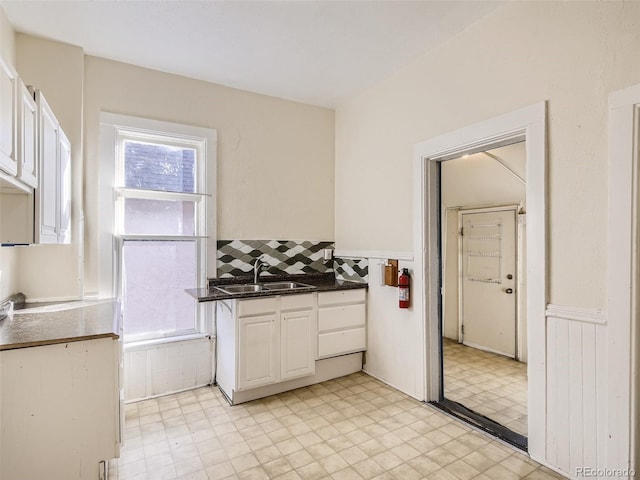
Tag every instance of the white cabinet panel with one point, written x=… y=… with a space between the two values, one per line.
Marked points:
x=341 y=297
x=64 y=189
x=47 y=194
x=342 y=318
x=28 y=139
x=258 y=351
x=345 y=316
x=341 y=342
x=297 y=302
x=297 y=335
x=60 y=410
x=8 y=118
x=53 y=197
x=257 y=306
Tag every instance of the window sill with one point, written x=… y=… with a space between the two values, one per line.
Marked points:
x=160 y=341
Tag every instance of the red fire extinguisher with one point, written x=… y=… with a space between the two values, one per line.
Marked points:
x=404 y=282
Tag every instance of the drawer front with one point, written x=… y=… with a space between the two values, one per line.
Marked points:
x=297 y=302
x=342 y=297
x=257 y=306
x=342 y=342
x=336 y=318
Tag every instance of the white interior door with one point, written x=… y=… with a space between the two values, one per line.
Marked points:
x=488 y=280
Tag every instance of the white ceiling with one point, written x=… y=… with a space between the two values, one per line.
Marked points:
x=316 y=52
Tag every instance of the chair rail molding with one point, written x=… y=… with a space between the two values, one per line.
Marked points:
x=584 y=315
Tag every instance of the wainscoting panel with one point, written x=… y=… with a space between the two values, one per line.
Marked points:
x=576 y=389
x=159 y=369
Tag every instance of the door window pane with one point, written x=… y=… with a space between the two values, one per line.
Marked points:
x=151 y=166
x=158 y=217
x=155 y=275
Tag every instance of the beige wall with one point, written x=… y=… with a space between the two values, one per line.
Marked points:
x=8 y=256
x=7 y=39
x=56 y=69
x=569 y=53
x=275 y=157
x=275 y=172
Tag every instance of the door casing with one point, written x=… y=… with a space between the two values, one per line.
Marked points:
x=528 y=124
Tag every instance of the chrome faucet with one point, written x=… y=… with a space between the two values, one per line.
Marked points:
x=258 y=267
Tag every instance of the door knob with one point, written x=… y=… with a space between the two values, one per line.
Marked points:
x=509 y=290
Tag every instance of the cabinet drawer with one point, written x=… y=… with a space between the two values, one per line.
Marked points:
x=336 y=318
x=341 y=297
x=296 y=302
x=257 y=306
x=342 y=342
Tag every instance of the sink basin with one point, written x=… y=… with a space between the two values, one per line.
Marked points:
x=285 y=285
x=245 y=288
x=253 y=287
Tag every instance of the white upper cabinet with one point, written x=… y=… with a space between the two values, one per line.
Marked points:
x=27 y=136
x=8 y=118
x=35 y=156
x=47 y=191
x=64 y=188
x=53 y=195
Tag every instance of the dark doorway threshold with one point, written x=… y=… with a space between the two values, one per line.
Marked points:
x=483 y=423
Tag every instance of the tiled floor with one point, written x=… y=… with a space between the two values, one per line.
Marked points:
x=353 y=427
x=490 y=384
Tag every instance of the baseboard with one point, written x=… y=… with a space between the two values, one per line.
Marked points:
x=326 y=369
x=420 y=399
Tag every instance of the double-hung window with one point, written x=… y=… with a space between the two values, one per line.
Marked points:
x=160 y=214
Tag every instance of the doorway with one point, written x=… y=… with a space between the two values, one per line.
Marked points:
x=484 y=371
x=526 y=124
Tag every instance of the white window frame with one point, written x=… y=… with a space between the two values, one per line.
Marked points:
x=115 y=129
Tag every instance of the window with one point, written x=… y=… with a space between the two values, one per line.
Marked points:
x=160 y=191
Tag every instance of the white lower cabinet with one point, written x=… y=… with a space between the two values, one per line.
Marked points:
x=263 y=341
x=60 y=409
x=341 y=322
x=272 y=344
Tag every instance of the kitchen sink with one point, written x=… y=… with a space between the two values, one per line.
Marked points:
x=254 y=287
x=285 y=285
x=244 y=288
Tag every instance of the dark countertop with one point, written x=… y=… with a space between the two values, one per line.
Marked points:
x=325 y=282
x=60 y=323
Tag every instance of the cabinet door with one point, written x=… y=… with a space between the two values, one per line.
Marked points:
x=297 y=335
x=60 y=410
x=64 y=188
x=258 y=351
x=28 y=141
x=47 y=194
x=8 y=118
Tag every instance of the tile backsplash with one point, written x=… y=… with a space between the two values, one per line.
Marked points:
x=352 y=269
x=236 y=257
